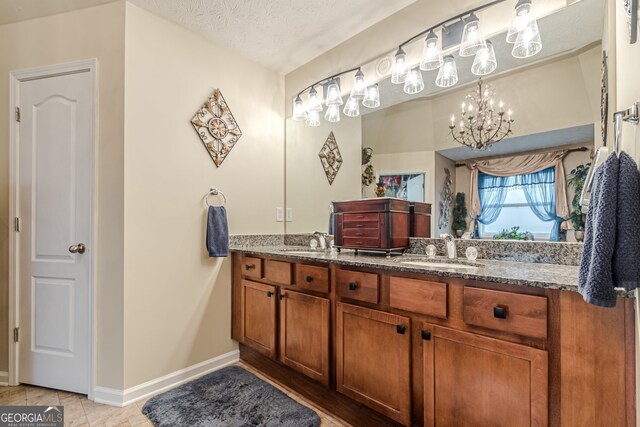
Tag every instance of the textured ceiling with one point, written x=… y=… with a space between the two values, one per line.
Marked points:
x=21 y=10
x=278 y=34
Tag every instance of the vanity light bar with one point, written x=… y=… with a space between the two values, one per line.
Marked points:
x=465 y=27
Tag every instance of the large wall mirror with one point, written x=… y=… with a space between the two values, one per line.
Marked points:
x=555 y=97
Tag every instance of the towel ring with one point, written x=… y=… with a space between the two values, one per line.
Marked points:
x=214 y=192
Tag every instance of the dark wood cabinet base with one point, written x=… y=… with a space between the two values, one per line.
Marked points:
x=323 y=397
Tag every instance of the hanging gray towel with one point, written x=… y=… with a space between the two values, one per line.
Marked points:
x=595 y=282
x=217 y=232
x=626 y=258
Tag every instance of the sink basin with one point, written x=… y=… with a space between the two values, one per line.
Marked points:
x=435 y=264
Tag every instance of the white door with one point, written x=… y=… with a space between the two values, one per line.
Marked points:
x=55 y=179
x=415 y=188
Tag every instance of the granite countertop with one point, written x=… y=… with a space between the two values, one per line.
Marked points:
x=538 y=275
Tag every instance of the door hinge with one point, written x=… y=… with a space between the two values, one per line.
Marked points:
x=16 y=334
x=17 y=114
x=18 y=226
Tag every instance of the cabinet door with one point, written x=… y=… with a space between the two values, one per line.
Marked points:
x=304 y=334
x=373 y=359
x=471 y=380
x=259 y=317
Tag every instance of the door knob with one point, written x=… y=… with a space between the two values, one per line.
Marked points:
x=80 y=248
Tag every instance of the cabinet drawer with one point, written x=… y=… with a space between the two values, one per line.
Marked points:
x=312 y=277
x=361 y=242
x=361 y=232
x=505 y=311
x=351 y=218
x=357 y=285
x=419 y=296
x=278 y=271
x=252 y=267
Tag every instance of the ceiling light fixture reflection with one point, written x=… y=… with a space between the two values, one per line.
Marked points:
x=431 y=53
x=485 y=61
x=399 y=71
x=472 y=38
x=372 y=98
x=448 y=73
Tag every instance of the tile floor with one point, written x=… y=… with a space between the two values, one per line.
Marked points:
x=79 y=411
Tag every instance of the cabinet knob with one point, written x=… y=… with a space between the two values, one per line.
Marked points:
x=249 y=266
x=281 y=296
x=353 y=286
x=401 y=329
x=500 y=312
x=309 y=279
x=269 y=294
x=426 y=335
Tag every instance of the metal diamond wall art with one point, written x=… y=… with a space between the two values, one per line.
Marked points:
x=330 y=158
x=216 y=127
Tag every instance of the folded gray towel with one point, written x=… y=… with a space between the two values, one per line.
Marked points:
x=595 y=282
x=626 y=258
x=217 y=241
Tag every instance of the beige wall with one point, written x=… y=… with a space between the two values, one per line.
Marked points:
x=88 y=33
x=417 y=161
x=308 y=190
x=177 y=299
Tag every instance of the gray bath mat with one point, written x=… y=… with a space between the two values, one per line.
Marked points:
x=227 y=398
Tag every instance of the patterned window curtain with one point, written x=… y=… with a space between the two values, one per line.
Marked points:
x=539 y=189
x=492 y=191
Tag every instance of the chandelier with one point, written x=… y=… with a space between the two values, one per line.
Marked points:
x=482 y=123
x=461 y=34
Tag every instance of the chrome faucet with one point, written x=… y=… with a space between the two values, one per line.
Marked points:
x=450 y=245
x=322 y=239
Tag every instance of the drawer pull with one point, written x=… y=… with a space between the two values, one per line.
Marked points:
x=249 y=266
x=359 y=225
x=309 y=279
x=359 y=216
x=353 y=286
x=401 y=329
x=269 y=294
x=281 y=296
x=426 y=335
x=500 y=312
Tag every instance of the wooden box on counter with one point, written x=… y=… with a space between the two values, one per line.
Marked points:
x=372 y=224
x=420 y=219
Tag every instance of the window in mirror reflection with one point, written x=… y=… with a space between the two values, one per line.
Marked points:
x=516 y=212
x=407 y=186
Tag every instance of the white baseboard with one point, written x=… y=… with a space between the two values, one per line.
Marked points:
x=115 y=397
x=4 y=378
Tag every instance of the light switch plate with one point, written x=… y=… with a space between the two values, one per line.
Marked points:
x=279 y=214
x=289 y=214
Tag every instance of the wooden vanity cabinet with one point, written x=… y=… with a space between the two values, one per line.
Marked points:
x=473 y=380
x=304 y=334
x=258 y=305
x=373 y=359
x=379 y=348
